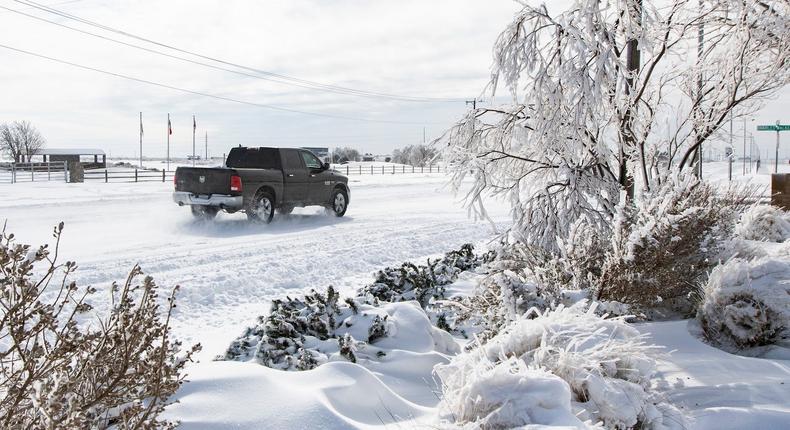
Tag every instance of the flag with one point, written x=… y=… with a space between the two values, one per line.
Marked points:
x=194 y=124
x=169 y=127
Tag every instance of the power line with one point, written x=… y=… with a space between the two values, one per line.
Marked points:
x=199 y=93
x=284 y=79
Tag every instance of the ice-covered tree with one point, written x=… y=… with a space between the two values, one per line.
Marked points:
x=610 y=98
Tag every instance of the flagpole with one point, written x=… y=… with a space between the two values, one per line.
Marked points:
x=206 y=145
x=194 y=126
x=141 y=140
x=168 y=142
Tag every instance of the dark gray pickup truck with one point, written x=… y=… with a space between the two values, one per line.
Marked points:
x=260 y=180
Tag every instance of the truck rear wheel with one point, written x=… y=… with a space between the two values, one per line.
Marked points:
x=339 y=202
x=204 y=212
x=261 y=208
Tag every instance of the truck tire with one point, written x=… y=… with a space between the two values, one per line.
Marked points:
x=204 y=212
x=261 y=208
x=285 y=210
x=339 y=202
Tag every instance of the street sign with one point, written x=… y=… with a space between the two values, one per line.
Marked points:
x=774 y=127
x=777 y=128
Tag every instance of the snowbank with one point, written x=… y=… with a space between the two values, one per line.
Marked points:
x=764 y=223
x=604 y=370
x=747 y=303
x=222 y=395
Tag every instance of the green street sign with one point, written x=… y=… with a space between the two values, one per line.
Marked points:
x=774 y=127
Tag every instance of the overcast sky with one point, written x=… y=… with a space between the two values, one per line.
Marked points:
x=410 y=48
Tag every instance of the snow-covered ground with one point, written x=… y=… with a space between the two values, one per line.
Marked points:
x=230 y=270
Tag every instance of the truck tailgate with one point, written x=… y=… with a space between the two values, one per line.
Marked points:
x=201 y=180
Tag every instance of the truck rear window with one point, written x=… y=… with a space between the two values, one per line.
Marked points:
x=253 y=158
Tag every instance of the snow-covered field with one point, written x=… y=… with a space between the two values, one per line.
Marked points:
x=230 y=270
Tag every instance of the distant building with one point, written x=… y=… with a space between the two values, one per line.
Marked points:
x=89 y=158
x=322 y=153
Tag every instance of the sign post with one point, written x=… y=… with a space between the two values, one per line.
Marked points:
x=777 y=128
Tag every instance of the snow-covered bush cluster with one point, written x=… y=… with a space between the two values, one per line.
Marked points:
x=303 y=332
x=567 y=367
x=63 y=366
x=664 y=246
x=764 y=223
x=747 y=303
x=422 y=283
x=500 y=297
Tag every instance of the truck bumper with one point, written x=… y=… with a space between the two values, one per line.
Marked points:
x=223 y=201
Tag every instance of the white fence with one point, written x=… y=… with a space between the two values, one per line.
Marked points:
x=11 y=173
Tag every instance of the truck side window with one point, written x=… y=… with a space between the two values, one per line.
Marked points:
x=292 y=161
x=310 y=161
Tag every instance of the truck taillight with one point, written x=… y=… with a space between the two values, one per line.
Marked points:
x=175 y=181
x=235 y=183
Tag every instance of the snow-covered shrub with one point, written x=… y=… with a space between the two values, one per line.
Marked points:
x=418 y=282
x=747 y=303
x=664 y=245
x=302 y=333
x=500 y=298
x=604 y=362
x=512 y=394
x=64 y=366
x=576 y=264
x=764 y=223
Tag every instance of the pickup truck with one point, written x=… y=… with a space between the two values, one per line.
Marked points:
x=259 y=181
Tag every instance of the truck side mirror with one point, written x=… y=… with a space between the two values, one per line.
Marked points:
x=325 y=166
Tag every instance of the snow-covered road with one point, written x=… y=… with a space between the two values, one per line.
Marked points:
x=230 y=269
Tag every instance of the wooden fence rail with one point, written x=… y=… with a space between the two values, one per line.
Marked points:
x=138 y=175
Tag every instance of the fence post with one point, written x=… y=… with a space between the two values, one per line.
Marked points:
x=106 y=177
x=163 y=175
x=346 y=169
x=382 y=170
x=49 y=176
x=13 y=173
x=135 y=175
x=66 y=172
x=32 y=172
x=404 y=169
x=430 y=168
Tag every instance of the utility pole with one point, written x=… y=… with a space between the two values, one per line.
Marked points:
x=141 y=140
x=473 y=103
x=169 y=132
x=732 y=149
x=700 y=53
x=423 y=135
x=206 y=145
x=194 y=128
x=633 y=59
x=744 y=146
